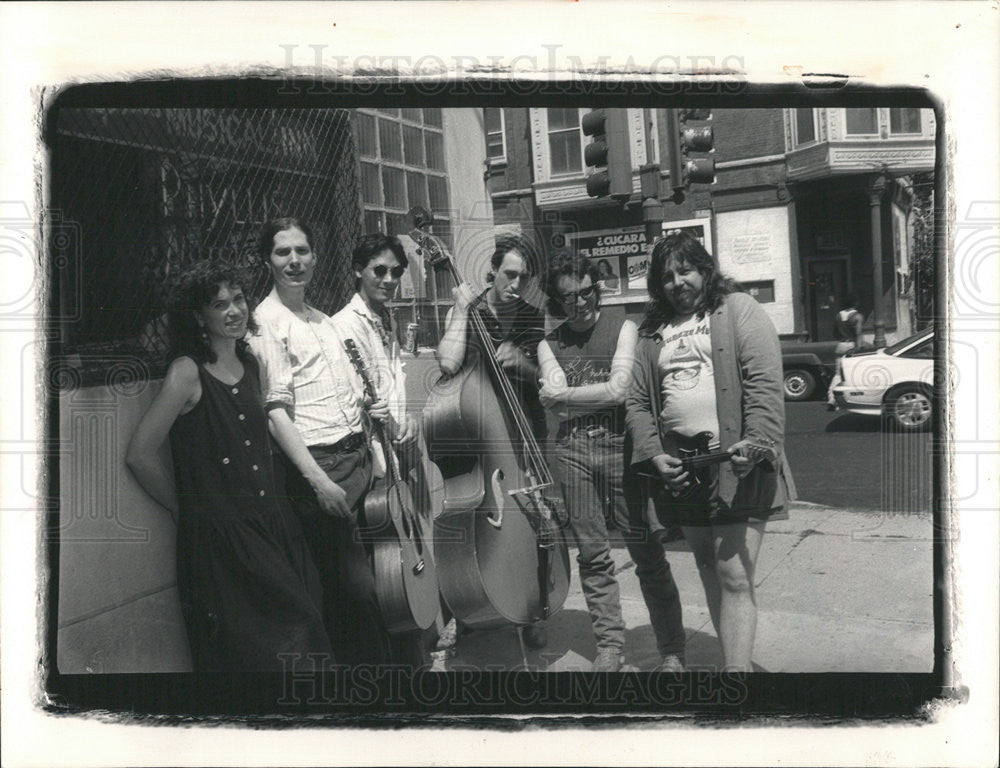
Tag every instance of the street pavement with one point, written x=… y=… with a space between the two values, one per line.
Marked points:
x=849 y=461
x=837 y=591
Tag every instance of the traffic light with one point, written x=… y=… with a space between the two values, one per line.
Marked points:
x=682 y=143
x=608 y=154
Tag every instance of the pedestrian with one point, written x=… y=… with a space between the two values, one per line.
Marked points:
x=249 y=591
x=708 y=368
x=314 y=401
x=847 y=329
x=586 y=369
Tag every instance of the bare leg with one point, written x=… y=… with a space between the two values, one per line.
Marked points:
x=702 y=542
x=736 y=549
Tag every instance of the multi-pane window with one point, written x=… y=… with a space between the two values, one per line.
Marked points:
x=904 y=121
x=401 y=160
x=401 y=157
x=565 y=153
x=496 y=147
x=805 y=127
x=861 y=121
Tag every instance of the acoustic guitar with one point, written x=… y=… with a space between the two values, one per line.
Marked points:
x=405 y=575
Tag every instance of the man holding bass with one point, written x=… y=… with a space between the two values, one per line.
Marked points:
x=514 y=328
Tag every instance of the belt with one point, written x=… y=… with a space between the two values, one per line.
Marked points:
x=352 y=442
x=591 y=431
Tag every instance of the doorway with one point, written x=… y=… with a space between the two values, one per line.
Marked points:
x=827 y=283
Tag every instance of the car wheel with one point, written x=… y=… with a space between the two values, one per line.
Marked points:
x=800 y=384
x=909 y=409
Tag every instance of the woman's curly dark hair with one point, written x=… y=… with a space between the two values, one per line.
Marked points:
x=194 y=289
x=567 y=264
x=682 y=248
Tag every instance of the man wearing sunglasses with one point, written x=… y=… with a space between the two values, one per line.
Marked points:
x=379 y=262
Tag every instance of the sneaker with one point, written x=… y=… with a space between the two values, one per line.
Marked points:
x=671 y=663
x=535 y=636
x=448 y=637
x=608 y=660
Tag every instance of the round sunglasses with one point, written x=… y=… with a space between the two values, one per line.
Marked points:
x=380 y=270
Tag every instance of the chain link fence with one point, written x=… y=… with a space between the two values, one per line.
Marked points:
x=153 y=190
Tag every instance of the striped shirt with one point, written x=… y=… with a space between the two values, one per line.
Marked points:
x=379 y=349
x=304 y=369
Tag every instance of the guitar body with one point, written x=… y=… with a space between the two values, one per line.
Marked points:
x=405 y=574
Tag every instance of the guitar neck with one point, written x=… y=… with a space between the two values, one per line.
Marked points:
x=390 y=455
x=705 y=460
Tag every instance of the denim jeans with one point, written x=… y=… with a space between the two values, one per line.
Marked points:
x=591 y=468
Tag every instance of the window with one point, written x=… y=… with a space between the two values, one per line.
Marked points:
x=401 y=164
x=861 y=121
x=762 y=290
x=401 y=158
x=923 y=351
x=565 y=146
x=496 y=146
x=904 y=121
x=805 y=126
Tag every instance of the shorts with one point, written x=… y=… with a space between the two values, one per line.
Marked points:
x=705 y=507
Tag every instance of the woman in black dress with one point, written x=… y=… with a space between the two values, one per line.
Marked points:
x=248 y=588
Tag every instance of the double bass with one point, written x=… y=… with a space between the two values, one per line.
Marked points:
x=501 y=558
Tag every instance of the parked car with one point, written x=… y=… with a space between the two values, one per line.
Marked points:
x=808 y=367
x=896 y=382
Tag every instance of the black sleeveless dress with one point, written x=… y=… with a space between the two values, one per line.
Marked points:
x=248 y=587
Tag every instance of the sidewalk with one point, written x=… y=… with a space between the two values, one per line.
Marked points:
x=837 y=591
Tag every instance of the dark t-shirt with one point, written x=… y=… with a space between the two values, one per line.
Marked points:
x=586 y=358
x=523 y=325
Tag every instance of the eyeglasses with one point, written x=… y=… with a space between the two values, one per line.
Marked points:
x=379 y=270
x=572 y=296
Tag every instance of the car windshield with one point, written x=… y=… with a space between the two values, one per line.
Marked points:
x=891 y=350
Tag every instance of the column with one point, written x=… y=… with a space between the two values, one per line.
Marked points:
x=875 y=202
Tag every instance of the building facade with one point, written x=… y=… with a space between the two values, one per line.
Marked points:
x=139 y=194
x=809 y=204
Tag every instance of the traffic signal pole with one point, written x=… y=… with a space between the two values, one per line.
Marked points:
x=649 y=189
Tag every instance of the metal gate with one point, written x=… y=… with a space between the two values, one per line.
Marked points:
x=153 y=190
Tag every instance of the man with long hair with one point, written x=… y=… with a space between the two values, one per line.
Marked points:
x=708 y=379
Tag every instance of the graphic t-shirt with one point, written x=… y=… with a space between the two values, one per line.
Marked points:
x=586 y=358
x=687 y=380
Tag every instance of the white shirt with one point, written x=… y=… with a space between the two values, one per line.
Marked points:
x=303 y=367
x=687 y=378
x=380 y=352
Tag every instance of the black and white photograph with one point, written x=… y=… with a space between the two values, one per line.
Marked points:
x=382 y=401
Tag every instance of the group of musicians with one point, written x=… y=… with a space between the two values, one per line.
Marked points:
x=702 y=370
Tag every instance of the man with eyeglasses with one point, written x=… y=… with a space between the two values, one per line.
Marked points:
x=379 y=262
x=586 y=371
